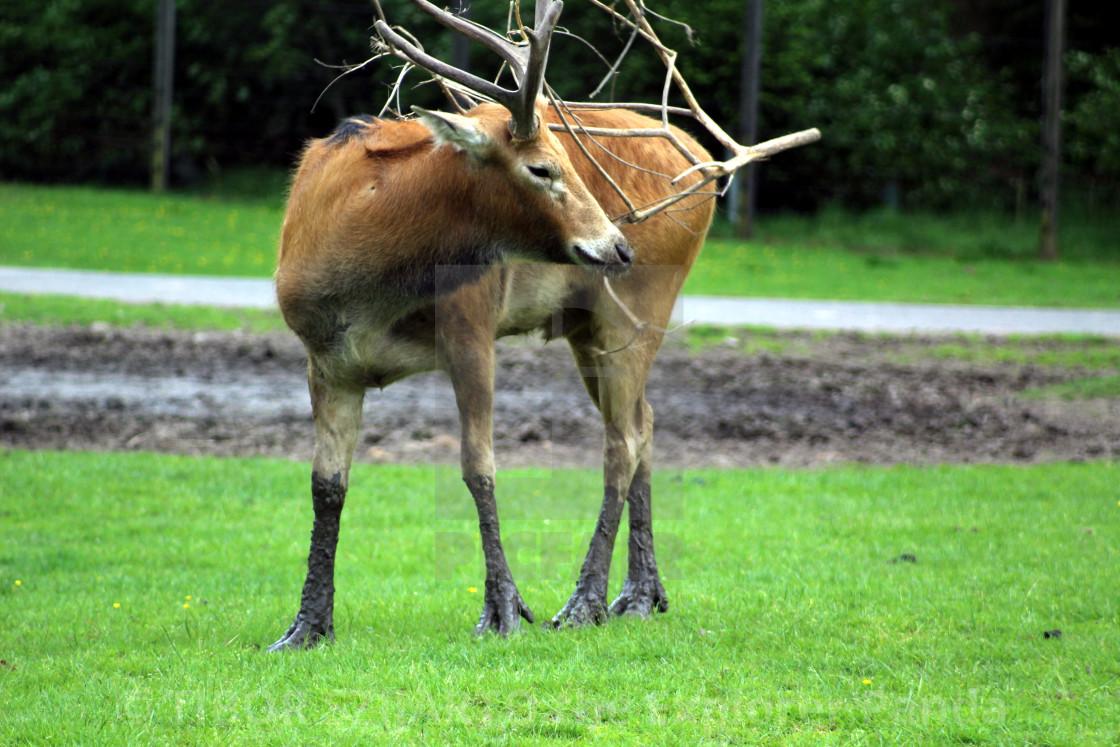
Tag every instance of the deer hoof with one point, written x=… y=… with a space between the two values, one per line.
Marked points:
x=502 y=611
x=302 y=635
x=581 y=610
x=640 y=600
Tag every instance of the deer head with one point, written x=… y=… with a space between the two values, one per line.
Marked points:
x=551 y=210
x=529 y=153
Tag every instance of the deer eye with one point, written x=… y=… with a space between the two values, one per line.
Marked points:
x=541 y=172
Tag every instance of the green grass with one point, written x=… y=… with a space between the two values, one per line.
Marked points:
x=966 y=235
x=263 y=186
x=231 y=227
x=1061 y=351
x=1088 y=387
x=789 y=623
x=748 y=340
x=132 y=231
x=971 y=257
x=64 y=310
x=731 y=267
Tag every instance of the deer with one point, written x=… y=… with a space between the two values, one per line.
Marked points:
x=411 y=245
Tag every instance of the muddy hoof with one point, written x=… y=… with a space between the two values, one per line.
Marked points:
x=641 y=599
x=303 y=634
x=503 y=610
x=580 y=610
x=642 y=605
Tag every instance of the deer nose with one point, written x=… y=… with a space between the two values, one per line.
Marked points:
x=609 y=254
x=611 y=259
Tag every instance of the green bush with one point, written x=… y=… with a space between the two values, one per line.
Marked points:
x=1091 y=136
x=75 y=104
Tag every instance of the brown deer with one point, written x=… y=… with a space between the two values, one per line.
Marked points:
x=409 y=246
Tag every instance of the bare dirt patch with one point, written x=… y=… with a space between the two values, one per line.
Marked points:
x=811 y=400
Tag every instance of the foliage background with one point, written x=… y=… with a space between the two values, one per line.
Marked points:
x=931 y=104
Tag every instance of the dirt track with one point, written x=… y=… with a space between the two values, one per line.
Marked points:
x=838 y=398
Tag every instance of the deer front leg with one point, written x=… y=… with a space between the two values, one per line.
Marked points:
x=627 y=445
x=471 y=368
x=642 y=591
x=338 y=415
x=502 y=608
x=588 y=604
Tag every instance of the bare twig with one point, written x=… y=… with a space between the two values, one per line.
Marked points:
x=526 y=60
x=688 y=32
x=614 y=68
x=564 y=32
x=346 y=70
x=602 y=172
x=638 y=324
x=591 y=132
x=395 y=91
x=634 y=106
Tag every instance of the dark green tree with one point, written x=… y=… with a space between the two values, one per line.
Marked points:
x=935 y=101
x=75 y=102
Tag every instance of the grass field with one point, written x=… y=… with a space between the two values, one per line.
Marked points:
x=980 y=259
x=771 y=270
x=63 y=310
x=132 y=231
x=964 y=235
x=137 y=591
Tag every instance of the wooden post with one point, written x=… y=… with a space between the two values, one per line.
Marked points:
x=749 y=81
x=162 y=81
x=1049 y=171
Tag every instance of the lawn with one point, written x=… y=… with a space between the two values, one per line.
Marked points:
x=63 y=310
x=765 y=269
x=133 y=231
x=880 y=256
x=137 y=592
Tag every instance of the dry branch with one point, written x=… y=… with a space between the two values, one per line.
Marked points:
x=527 y=58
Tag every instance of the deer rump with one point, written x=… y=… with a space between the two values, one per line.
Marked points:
x=462 y=248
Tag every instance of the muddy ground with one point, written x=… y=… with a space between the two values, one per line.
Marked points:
x=808 y=400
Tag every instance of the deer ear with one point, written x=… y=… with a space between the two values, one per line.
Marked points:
x=460 y=132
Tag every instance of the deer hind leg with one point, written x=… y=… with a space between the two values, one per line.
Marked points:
x=338 y=415
x=468 y=356
x=616 y=383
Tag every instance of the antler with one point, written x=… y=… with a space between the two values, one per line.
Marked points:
x=527 y=60
x=711 y=171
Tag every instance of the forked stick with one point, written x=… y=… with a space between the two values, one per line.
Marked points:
x=527 y=59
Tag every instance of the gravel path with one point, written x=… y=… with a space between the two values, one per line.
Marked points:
x=777 y=313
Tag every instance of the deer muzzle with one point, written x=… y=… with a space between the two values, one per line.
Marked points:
x=609 y=254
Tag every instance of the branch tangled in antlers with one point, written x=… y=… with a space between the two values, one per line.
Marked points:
x=527 y=59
